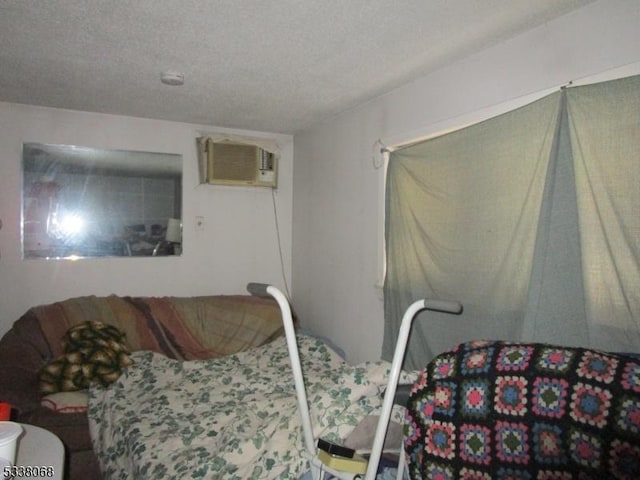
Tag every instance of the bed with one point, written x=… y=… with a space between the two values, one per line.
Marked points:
x=233 y=417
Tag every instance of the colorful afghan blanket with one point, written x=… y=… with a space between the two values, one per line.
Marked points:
x=497 y=410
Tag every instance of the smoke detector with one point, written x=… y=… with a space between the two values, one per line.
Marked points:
x=172 y=78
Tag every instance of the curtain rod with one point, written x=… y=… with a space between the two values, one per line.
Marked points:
x=384 y=149
x=621 y=71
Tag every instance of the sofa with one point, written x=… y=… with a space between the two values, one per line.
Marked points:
x=182 y=328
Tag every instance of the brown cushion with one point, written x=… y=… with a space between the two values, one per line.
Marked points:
x=23 y=351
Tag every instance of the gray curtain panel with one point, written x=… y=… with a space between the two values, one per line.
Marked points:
x=530 y=219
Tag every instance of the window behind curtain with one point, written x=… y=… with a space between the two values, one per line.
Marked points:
x=530 y=219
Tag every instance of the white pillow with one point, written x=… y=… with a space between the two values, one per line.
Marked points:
x=66 y=402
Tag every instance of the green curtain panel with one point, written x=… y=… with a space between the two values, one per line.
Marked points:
x=531 y=219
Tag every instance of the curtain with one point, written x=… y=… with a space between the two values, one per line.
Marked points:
x=530 y=219
x=604 y=123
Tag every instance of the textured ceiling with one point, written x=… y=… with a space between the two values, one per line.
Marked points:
x=278 y=66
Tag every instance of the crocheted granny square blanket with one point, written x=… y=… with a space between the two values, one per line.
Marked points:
x=500 y=410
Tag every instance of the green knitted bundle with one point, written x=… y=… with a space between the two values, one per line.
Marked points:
x=93 y=352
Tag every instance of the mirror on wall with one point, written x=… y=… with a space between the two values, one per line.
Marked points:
x=80 y=202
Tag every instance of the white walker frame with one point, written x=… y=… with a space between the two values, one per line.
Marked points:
x=317 y=467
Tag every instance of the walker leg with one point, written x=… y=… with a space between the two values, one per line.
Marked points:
x=401 y=464
x=394 y=374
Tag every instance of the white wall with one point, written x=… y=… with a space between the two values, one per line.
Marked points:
x=237 y=245
x=338 y=192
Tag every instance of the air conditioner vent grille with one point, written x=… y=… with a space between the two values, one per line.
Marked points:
x=239 y=164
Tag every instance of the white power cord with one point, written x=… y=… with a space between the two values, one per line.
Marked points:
x=275 y=217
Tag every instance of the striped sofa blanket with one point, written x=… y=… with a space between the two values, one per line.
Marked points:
x=182 y=328
x=497 y=410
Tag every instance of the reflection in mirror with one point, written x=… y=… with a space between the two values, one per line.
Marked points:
x=80 y=202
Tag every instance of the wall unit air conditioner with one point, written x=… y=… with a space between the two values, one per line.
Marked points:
x=229 y=162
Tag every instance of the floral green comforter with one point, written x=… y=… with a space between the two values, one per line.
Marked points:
x=234 y=417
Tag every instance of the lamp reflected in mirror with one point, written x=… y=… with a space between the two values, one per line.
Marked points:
x=172 y=242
